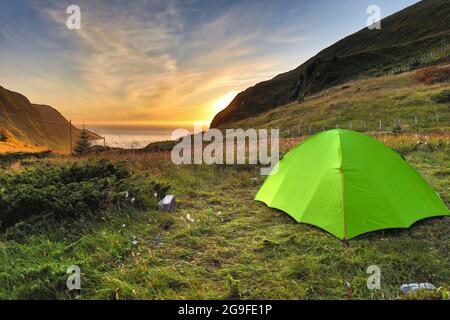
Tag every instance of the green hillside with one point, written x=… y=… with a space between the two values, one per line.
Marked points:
x=415 y=37
x=396 y=100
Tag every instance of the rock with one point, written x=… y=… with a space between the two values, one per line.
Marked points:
x=168 y=203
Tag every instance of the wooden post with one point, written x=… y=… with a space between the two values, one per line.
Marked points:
x=380 y=126
x=70 y=136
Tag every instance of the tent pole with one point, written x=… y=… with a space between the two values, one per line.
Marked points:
x=345 y=241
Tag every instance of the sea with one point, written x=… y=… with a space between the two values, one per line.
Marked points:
x=132 y=137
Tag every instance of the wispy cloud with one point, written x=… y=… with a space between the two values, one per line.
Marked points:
x=139 y=62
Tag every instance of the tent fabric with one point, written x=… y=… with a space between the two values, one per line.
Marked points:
x=348 y=183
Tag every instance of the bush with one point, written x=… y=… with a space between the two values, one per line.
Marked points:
x=3 y=135
x=433 y=74
x=442 y=97
x=66 y=191
x=7 y=158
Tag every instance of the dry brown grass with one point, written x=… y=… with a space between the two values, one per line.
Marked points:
x=433 y=74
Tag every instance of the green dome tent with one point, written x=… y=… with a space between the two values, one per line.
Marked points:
x=348 y=183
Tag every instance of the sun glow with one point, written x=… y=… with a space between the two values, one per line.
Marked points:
x=222 y=102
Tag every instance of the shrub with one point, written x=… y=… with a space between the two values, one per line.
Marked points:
x=66 y=191
x=7 y=159
x=3 y=135
x=433 y=74
x=442 y=97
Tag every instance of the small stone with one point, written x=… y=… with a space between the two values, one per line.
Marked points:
x=168 y=203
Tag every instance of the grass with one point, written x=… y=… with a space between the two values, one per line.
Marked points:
x=220 y=243
x=362 y=104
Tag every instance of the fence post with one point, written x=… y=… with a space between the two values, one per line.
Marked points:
x=70 y=136
x=310 y=130
x=415 y=120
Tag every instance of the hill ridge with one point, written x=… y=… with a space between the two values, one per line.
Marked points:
x=36 y=125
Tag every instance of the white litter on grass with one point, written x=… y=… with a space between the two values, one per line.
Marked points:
x=134 y=242
x=189 y=218
x=413 y=287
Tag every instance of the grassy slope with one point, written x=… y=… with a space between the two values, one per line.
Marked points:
x=9 y=144
x=385 y=98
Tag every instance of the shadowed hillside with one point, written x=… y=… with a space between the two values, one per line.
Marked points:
x=35 y=125
x=414 y=37
x=401 y=99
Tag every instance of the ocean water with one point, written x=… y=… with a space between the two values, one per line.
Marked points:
x=131 y=137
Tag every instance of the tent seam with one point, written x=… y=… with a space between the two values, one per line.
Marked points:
x=341 y=173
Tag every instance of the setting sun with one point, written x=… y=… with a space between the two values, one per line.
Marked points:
x=222 y=102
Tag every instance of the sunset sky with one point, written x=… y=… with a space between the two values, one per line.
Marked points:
x=163 y=61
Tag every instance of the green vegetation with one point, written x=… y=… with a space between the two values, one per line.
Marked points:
x=83 y=144
x=7 y=159
x=219 y=243
x=442 y=97
x=69 y=191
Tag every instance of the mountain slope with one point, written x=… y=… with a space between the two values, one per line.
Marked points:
x=404 y=38
x=35 y=125
x=365 y=105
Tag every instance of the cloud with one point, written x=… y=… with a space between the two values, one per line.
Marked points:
x=149 y=60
